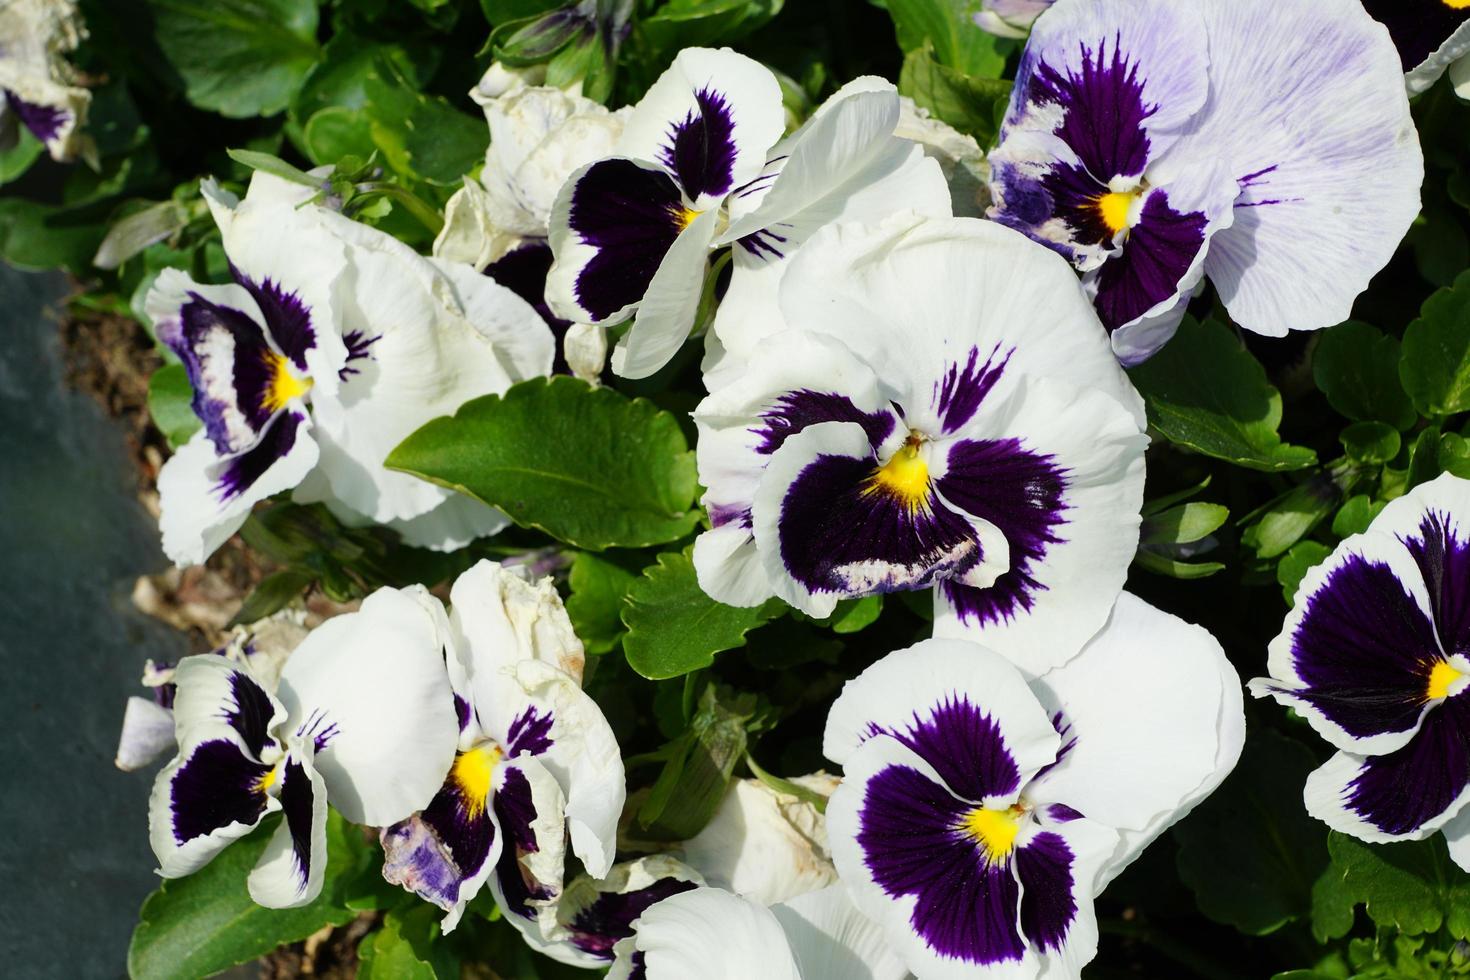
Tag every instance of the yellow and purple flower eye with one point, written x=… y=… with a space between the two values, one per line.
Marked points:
x=947 y=417
x=699 y=166
x=362 y=714
x=536 y=763
x=1151 y=144
x=979 y=815
x=1374 y=656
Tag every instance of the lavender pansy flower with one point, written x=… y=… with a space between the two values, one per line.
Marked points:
x=710 y=933
x=1374 y=656
x=333 y=343
x=1155 y=143
x=1432 y=36
x=363 y=715
x=700 y=167
x=1010 y=18
x=536 y=762
x=980 y=815
x=38 y=87
x=942 y=411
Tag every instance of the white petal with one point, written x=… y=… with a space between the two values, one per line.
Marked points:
x=666 y=313
x=1450 y=54
x=284 y=877
x=907 y=685
x=1457 y=836
x=832 y=940
x=729 y=568
x=1330 y=788
x=372 y=689
x=147 y=733
x=502 y=618
x=536 y=873
x=470 y=234
x=711 y=934
x=752 y=98
x=523 y=342
x=1327 y=195
x=1155 y=710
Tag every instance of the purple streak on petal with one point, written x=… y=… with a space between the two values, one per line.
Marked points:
x=841 y=534
x=44 y=121
x=965 y=907
x=1364 y=650
x=795 y=410
x=286 y=316
x=630 y=215
x=1418 y=27
x=1048 y=907
x=515 y=808
x=1105 y=112
x=1069 y=742
x=228 y=395
x=1074 y=195
x=720 y=516
x=359 y=348
x=701 y=148
x=764 y=244
x=1158 y=252
x=1061 y=813
x=530 y=733
x=1444 y=561
x=597 y=928
x=241 y=472
x=319 y=729
x=249 y=712
x=216 y=786
x=966 y=748
x=1399 y=792
x=640 y=969
x=298 y=799
x=462 y=712
x=1021 y=492
x=958 y=397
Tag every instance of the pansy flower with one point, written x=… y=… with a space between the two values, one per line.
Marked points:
x=710 y=933
x=1375 y=654
x=536 y=761
x=38 y=87
x=699 y=167
x=979 y=815
x=1431 y=35
x=332 y=345
x=1153 y=143
x=942 y=411
x=363 y=716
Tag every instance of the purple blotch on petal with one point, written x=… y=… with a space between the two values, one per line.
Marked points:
x=1399 y=792
x=1444 y=561
x=297 y=802
x=1158 y=252
x=530 y=733
x=44 y=121
x=631 y=216
x=964 y=906
x=286 y=316
x=240 y=473
x=1105 y=110
x=515 y=808
x=958 y=397
x=217 y=785
x=250 y=712
x=246 y=379
x=795 y=410
x=701 y=148
x=597 y=928
x=966 y=748
x=1048 y=907
x=523 y=271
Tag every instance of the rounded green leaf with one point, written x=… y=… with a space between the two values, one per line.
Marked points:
x=1371 y=443
x=170 y=402
x=586 y=465
x=1357 y=367
x=1435 y=368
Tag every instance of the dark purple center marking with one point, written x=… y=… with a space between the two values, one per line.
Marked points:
x=966 y=748
x=1157 y=254
x=359 y=348
x=297 y=802
x=1398 y=793
x=1048 y=907
x=701 y=148
x=241 y=472
x=795 y=410
x=958 y=397
x=286 y=317
x=1444 y=561
x=515 y=808
x=630 y=216
x=249 y=712
x=1104 y=108
x=218 y=785
x=230 y=369
x=597 y=928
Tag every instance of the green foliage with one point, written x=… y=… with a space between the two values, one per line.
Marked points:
x=1295 y=565
x=595 y=605
x=170 y=404
x=675 y=628
x=1205 y=392
x=1250 y=853
x=405 y=948
x=956 y=42
x=196 y=926
x=1436 y=358
x=970 y=103
x=586 y=465
x=1357 y=368
x=1412 y=887
x=238 y=57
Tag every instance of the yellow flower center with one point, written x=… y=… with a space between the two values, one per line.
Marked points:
x=994 y=830
x=683 y=217
x=1114 y=206
x=1442 y=676
x=474 y=773
x=264 y=783
x=1457 y=4
x=905 y=476
x=284 y=386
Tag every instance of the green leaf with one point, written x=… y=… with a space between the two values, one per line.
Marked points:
x=695 y=23
x=170 y=402
x=1205 y=392
x=675 y=628
x=856 y=615
x=1355 y=515
x=1371 y=443
x=272 y=594
x=136 y=232
x=275 y=166
x=1295 y=565
x=238 y=57
x=586 y=465
x=970 y=104
x=41 y=236
x=596 y=603
x=405 y=948
x=693 y=780
x=349 y=63
x=1250 y=853
x=15 y=161
x=1184 y=524
x=1423 y=459
x=1357 y=367
x=422 y=136
x=197 y=926
x=1173 y=568
x=1293 y=517
x=1435 y=368
x=957 y=42
x=336 y=132
x=1413 y=886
